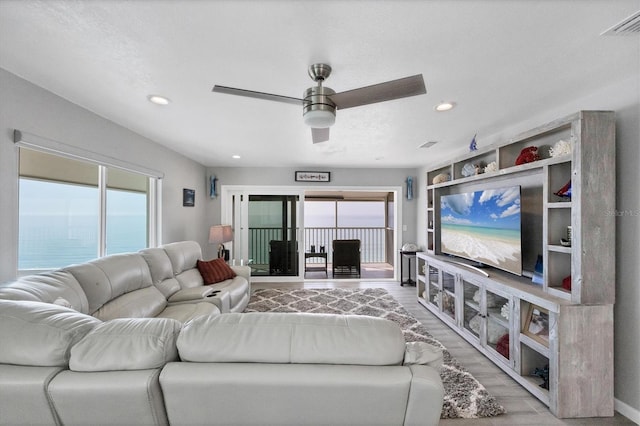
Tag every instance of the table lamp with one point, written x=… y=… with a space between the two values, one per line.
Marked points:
x=220 y=234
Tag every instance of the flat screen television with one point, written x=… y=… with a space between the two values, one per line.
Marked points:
x=483 y=226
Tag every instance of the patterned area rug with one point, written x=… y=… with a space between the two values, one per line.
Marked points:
x=464 y=396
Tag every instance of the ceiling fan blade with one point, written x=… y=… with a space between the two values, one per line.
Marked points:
x=320 y=135
x=394 y=89
x=257 y=95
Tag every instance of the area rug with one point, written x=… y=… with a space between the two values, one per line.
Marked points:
x=464 y=396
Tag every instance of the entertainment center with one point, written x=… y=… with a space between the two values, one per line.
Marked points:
x=551 y=328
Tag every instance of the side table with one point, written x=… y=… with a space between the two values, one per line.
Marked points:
x=409 y=255
x=309 y=255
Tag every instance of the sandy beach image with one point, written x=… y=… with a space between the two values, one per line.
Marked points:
x=493 y=250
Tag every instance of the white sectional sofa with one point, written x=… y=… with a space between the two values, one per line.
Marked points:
x=159 y=282
x=137 y=339
x=60 y=366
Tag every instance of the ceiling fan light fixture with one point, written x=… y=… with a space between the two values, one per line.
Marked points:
x=319 y=119
x=319 y=111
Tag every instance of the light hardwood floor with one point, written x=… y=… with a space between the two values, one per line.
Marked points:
x=522 y=408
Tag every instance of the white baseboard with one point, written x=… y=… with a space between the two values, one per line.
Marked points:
x=626 y=410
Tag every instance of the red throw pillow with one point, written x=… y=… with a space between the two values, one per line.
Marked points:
x=215 y=271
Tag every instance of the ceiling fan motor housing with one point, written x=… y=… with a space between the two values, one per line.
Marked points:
x=319 y=111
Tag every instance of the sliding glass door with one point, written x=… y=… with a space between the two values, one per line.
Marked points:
x=266 y=232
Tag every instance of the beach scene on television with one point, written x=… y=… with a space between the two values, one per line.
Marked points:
x=483 y=226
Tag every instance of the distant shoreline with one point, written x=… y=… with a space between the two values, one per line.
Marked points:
x=497 y=249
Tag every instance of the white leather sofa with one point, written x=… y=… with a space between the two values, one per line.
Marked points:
x=60 y=366
x=161 y=282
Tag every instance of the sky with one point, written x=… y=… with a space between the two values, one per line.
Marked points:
x=493 y=208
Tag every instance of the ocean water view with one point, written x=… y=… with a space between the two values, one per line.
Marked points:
x=54 y=241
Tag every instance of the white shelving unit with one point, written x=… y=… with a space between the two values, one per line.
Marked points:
x=492 y=312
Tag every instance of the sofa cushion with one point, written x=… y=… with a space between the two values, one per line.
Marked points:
x=161 y=270
x=47 y=287
x=40 y=334
x=127 y=344
x=183 y=255
x=144 y=303
x=188 y=311
x=292 y=338
x=215 y=271
x=107 y=278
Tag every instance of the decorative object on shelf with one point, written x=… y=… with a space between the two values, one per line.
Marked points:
x=537 y=277
x=470 y=170
x=528 y=155
x=560 y=148
x=565 y=191
x=504 y=311
x=502 y=347
x=493 y=300
x=566 y=283
x=442 y=177
x=536 y=324
x=491 y=167
x=494 y=331
x=188 y=197
x=213 y=186
x=220 y=234
x=543 y=373
x=409 y=188
x=473 y=146
x=313 y=176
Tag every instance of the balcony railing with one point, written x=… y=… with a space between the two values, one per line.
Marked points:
x=372 y=242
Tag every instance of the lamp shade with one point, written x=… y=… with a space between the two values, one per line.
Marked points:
x=220 y=234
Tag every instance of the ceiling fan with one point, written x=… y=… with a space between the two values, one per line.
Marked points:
x=319 y=103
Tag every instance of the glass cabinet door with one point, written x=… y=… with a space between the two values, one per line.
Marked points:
x=498 y=307
x=472 y=316
x=433 y=285
x=448 y=295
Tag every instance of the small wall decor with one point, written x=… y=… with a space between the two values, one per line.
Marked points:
x=313 y=176
x=213 y=190
x=409 y=188
x=536 y=324
x=473 y=146
x=188 y=197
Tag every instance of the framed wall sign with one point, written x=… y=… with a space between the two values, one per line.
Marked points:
x=313 y=176
x=188 y=197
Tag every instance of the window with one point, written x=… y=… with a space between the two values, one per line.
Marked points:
x=62 y=218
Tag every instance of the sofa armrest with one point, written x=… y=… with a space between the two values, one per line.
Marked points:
x=243 y=271
x=421 y=353
x=190 y=294
x=426 y=397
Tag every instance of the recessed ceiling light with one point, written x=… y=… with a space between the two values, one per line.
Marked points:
x=236 y=156
x=158 y=100
x=445 y=106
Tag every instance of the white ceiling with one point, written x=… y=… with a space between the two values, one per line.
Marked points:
x=500 y=61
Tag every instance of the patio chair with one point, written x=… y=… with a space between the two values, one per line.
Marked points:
x=283 y=257
x=346 y=257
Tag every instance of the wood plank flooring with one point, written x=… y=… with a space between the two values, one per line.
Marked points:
x=522 y=408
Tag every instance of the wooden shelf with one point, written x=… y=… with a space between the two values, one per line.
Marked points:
x=574 y=315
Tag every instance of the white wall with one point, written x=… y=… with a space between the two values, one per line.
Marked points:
x=32 y=109
x=272 y=176
x=624 y=99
